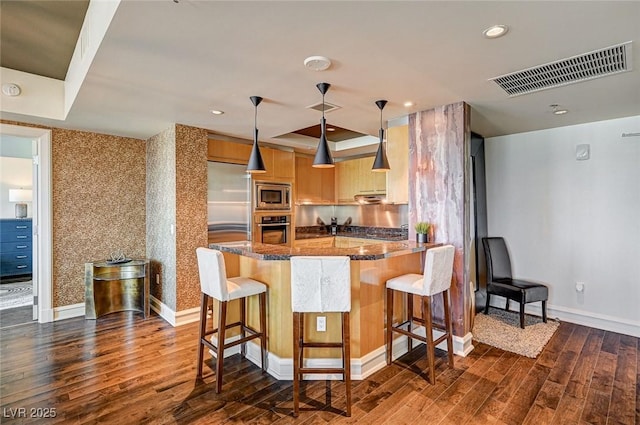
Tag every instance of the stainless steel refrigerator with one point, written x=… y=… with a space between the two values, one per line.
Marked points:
x=228 y=202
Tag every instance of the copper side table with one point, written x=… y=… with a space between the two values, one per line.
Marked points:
x=116 y=287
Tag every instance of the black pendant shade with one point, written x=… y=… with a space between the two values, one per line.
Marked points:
x=256 y=164
x=323 y=158
x=381 y=164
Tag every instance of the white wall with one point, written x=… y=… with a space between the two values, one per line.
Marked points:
x=566 y=220
x=15 y=173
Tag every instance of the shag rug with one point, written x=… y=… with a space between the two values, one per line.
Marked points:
x=501 y=329
x=17 y=294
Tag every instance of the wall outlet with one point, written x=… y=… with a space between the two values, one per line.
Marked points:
x=579 y=286
x=321 y=324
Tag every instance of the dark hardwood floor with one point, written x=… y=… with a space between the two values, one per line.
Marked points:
x=122 y=369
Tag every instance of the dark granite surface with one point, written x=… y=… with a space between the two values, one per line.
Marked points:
x=375 y=251
x=363 y=232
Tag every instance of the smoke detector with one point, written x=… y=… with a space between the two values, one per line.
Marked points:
x=317 y=63
x=11 y=89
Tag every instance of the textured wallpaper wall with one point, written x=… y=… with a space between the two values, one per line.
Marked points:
x=191 y=211
x=98 y=205
x=161 y=215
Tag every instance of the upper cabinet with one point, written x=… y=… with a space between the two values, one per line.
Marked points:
x=231 y=152
x=279 y=164
x=313 y=185
x=398 y=156
x=354 y=177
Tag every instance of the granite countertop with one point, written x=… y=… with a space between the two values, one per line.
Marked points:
x=375 y=251
x=361 y=232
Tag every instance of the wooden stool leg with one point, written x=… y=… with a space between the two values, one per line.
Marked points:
x=243 y=324
x=447 y=324
x=346 y=357
x=296 y=363
x=426 y=315
x=222 y=323
x=263 y=330
x=410 y=317
x=204 y=299
x=389 y=325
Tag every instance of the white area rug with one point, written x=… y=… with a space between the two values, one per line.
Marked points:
x=501 y=329
x=17 y=294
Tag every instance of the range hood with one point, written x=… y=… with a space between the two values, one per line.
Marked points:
x=370 y=199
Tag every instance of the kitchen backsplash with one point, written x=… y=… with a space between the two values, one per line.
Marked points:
x=380 y=215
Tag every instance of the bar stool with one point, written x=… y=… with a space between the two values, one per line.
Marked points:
x=436 y=279
x=320 y=285
x=214 y=284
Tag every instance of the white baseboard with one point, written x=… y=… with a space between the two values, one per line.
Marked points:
x=174 y=318
x=579 y=317
x=68 y=311
x=361 y=368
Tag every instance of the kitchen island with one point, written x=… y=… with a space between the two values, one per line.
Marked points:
x=371 y=266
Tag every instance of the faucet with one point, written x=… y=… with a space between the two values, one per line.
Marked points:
x=334 y=226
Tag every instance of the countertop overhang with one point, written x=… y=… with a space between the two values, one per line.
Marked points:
x=375 y=251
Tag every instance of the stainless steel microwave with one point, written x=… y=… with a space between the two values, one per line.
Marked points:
x=272 y=196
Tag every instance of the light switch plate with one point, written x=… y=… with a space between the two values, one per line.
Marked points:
x=583 y=152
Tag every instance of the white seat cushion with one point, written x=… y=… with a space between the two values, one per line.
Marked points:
x=410 y=283
x=240 y=287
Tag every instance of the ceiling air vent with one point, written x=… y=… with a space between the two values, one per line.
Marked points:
x=328 y=107
x=587 y=66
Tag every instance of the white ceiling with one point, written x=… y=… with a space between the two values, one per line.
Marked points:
x=164 y=62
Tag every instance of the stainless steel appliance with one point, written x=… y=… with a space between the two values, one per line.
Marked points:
x=273 y=229
x=272 y=196
x=228 y=202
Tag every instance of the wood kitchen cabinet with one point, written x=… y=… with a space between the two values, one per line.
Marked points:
x=314 y=242
x=354 y=177
x=398 y=155
x=231 y=152
x=313 y=185
x=279 y=164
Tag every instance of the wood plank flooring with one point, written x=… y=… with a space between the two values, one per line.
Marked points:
x=122 y=369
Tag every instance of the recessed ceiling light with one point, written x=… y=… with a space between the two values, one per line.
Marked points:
x=495 y=31
x=556 y=109
x=317 y=63
x=331 y=129
x=217 y=112
x=408 y=104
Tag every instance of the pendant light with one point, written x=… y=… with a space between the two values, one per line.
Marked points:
x=323 y=157
x=381 y=164
x=256 y=164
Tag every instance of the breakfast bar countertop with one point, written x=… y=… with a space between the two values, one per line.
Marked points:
x=375 y=251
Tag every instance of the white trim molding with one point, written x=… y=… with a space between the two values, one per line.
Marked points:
x=174 y=318
x=68 y=311
x=579 y=317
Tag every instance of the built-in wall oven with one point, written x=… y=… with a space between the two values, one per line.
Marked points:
x=272 y=196
x=273 y=229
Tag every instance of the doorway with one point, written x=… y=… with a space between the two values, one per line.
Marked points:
x=40 y=223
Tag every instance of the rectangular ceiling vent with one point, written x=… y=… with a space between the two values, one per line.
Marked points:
x=587 y=66
x=328 y=107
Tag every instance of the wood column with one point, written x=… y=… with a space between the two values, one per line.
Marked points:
x=439 y=170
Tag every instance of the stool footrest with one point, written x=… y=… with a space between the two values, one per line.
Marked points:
x=410 y=334
x=321 y=345
x=312 y=370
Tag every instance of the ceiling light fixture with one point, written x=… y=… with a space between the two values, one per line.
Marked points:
x=408 y=104
x=557 y=110
x=256 y=164
x=323 y=157
x=216 y=112
x=381 y=164
x=317 y=63
x=495 y=31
